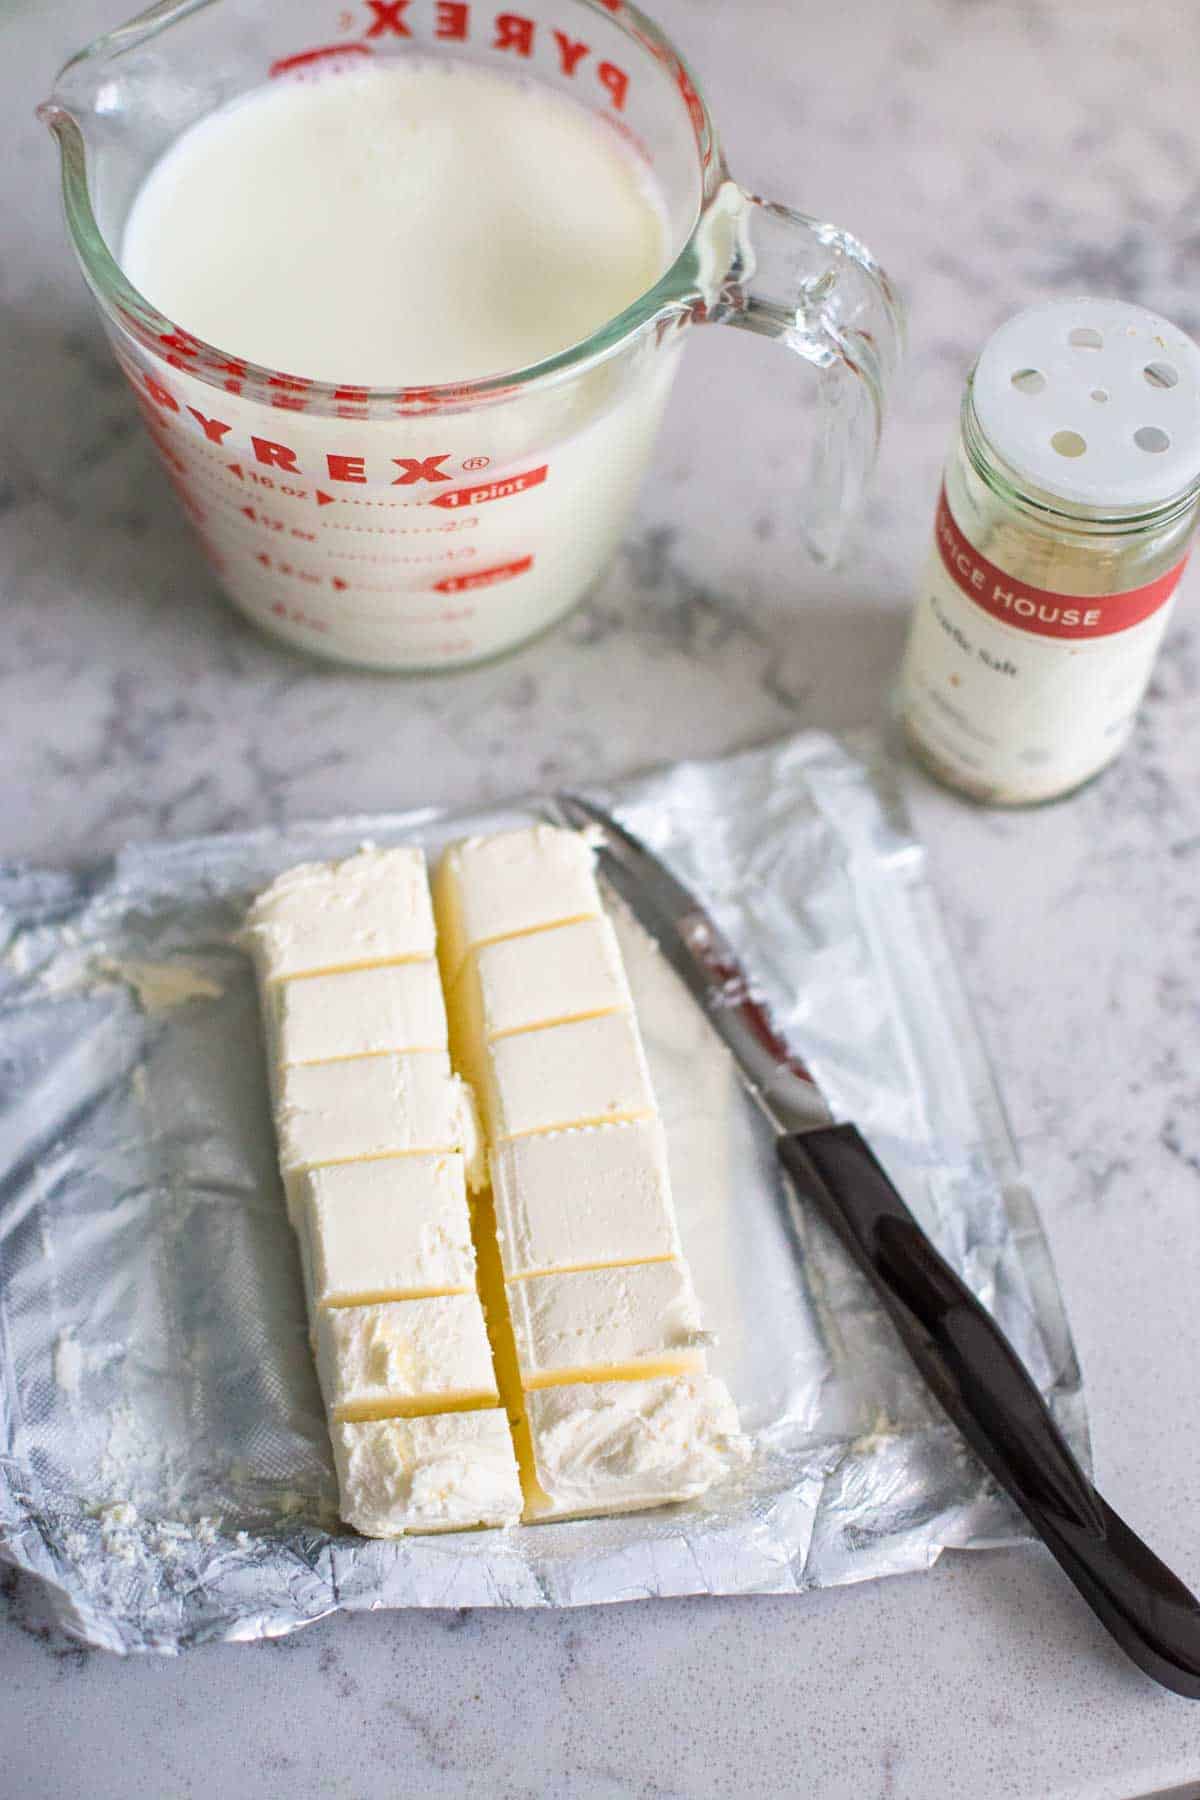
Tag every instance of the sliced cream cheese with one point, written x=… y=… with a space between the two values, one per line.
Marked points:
x=542 y=978
x=441 y=1473
x=357 y=1012
x=596 y=1324
x=616 y=1446
x=590 y=1195
x=373 y=907
x=387 y=1229
x=513 y=881
x=587 y=1072
x=368 y=1106
x=597 y=1333
x=404 y=1356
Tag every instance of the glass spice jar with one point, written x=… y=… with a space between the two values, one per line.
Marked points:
x=1062 y=530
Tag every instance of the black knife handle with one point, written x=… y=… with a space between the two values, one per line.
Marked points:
x=974 y=1372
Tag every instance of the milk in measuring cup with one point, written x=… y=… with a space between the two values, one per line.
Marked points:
x=400 y=224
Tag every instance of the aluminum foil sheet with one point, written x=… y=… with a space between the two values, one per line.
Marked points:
x=164 y=1464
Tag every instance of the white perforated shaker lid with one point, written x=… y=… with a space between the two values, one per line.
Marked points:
x=1095 y=401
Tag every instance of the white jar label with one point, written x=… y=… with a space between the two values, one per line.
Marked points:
x=1014 y=692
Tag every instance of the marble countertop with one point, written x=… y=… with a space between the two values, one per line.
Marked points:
x=990 y=153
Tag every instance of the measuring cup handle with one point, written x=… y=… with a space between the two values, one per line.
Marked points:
x=820 y=292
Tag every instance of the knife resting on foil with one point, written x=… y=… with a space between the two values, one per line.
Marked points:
x=964 y=1357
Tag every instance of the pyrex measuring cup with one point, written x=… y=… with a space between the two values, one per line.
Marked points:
x=429 y=527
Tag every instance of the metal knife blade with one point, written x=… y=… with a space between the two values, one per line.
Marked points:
x=707 y=963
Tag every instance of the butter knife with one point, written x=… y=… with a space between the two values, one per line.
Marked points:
x=963 y=1356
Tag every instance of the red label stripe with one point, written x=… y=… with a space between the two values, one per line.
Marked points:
x=1039 y=610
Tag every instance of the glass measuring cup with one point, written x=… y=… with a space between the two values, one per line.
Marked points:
x=423 y=527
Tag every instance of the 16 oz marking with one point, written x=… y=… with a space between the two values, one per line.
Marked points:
x=282 y=487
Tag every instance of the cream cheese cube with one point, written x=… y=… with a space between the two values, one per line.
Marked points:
x=445 y=1472
x=618 y=1446
x=511 y=882
x=545 y=977
x=368 y=1106
x=402 y=1356
x=548 y=977
x=357 y=1012
x=571 y=1199
x=385 y=1230
x=373 y=907
x=592 y=1324
x=587 y=1072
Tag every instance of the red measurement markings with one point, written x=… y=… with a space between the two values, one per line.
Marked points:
x=197 y=476
x=213 y=489
x=374 y=618
x=492 y=490
x=268 y=524
x=478 y=578
x=295 y=615
x=267 y=481
x=386 y=587
x=245 y=473
x=391 y=505
x=394 y=560
x=255 y=476
x=312 y=576
x=219 y=490
x=468 y=524
x=446 y=615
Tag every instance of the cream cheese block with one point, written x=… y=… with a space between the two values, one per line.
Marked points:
x=373 y=907
x=404 y=1356
x=596 y=1342
x=587 y=1072
x=443 y=1472
x=357 y=1012
x=618 y=1446
x=369 y=1106
x=514 y=881
x=593 y=1324
x=387 y=1229
x=577 y=1198
x=543 y=978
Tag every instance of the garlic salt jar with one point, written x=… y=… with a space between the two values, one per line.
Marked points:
x=1061 y=535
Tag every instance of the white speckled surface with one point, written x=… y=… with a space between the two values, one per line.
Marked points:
x=990 y=153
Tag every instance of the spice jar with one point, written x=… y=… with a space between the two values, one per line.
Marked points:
x=1061 y=535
